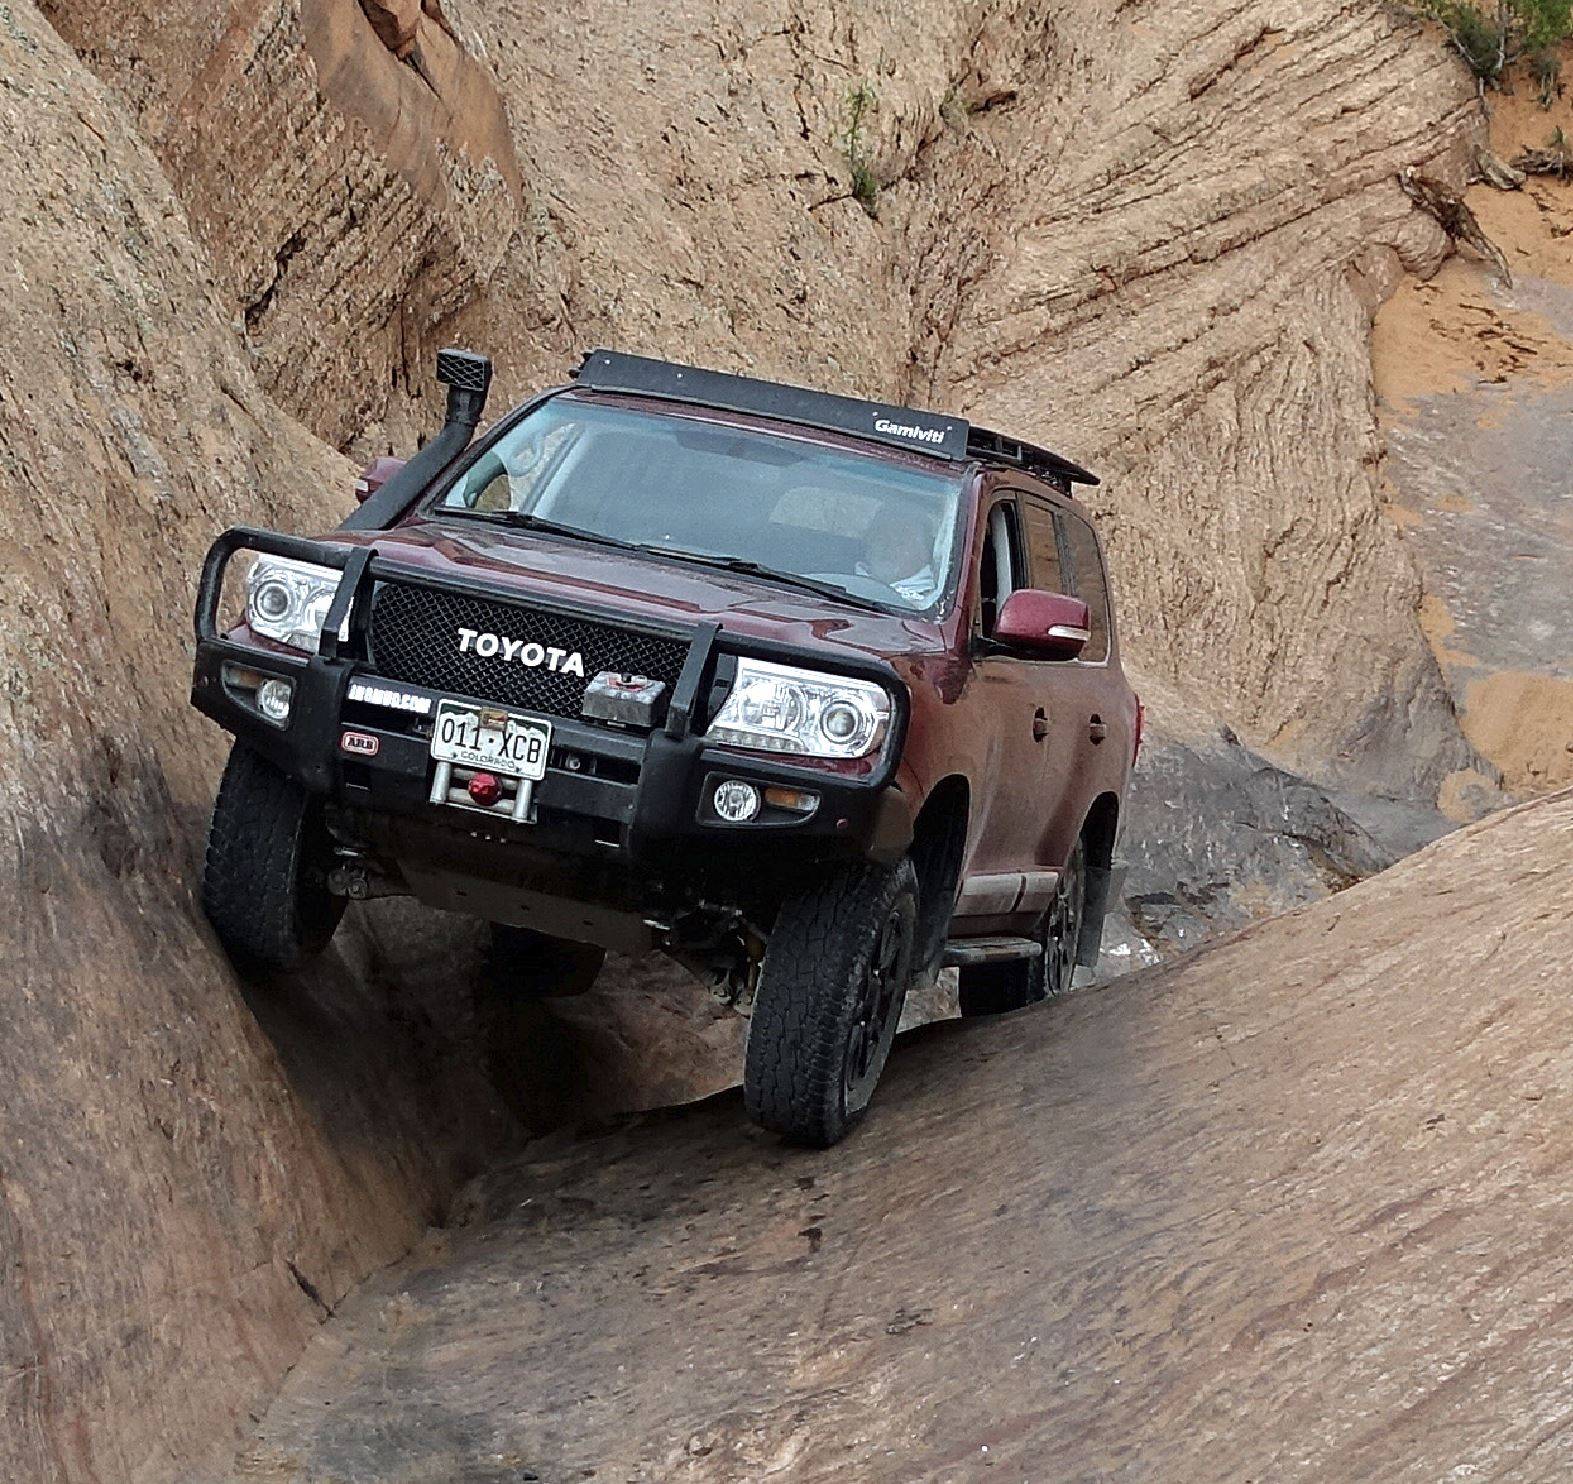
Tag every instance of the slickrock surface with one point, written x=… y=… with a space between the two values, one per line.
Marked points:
x=1295 y=1209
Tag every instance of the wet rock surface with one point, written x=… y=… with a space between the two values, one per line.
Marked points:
x=1287 y=1210
x=1217 y=837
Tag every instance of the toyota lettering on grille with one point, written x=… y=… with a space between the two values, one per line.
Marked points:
x=521 y=652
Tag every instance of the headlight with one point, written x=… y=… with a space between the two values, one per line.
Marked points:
x=777 y=708
x=289 y=600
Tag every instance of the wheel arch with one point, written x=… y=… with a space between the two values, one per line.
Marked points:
x=939 y=844
x=1099 y=832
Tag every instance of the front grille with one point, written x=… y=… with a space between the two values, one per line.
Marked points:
x=414 y=635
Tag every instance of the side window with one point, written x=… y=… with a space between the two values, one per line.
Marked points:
x=1087 y=582
x=1002 y=561
x=1043 y=545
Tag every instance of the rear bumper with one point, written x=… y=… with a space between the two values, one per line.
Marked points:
x=616 y=795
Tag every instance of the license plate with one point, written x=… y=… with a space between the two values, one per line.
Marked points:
x=491 y=740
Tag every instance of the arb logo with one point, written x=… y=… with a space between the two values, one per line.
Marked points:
x=359 y=744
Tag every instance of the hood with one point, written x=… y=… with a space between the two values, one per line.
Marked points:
x=646 y=586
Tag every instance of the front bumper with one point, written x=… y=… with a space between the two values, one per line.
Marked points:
x=609 y=793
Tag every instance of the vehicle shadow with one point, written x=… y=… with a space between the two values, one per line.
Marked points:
x=379 y=1041
x=407 y=1019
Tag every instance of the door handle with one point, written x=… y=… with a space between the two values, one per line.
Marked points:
x=1040 y=724
x=1096 y=729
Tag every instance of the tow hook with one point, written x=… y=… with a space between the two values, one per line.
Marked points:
x=356 y=878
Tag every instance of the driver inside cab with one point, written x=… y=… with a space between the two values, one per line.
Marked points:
x=898 y=555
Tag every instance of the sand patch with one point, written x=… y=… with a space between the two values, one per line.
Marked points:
x=1463 y=327
x=1523 y=722
x=1448 y=338
x=1439 y=627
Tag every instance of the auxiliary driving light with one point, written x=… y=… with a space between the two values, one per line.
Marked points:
x=735 y=801
x=273 y=699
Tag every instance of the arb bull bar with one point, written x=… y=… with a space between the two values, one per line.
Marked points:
x=665 y=770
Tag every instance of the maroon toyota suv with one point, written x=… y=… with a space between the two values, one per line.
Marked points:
x=815 y=694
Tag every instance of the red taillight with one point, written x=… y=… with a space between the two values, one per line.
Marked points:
x=1141 y=722
x=485 y=790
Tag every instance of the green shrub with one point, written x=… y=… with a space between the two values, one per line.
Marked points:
x=1492 y=35
x=862 y=100
x=1545 y=67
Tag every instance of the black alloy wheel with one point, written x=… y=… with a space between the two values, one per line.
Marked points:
x=1062 y=926
x=878 y=1008
x=999 y=988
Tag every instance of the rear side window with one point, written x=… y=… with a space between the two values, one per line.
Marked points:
x=1043 y=545
x=1087 y=582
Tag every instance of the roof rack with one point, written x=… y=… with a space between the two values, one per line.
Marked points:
x=997 y=448
x=882 y=422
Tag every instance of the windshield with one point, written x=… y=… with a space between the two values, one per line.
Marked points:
x=877 y=530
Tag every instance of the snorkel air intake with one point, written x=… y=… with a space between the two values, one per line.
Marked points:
x=468 y=377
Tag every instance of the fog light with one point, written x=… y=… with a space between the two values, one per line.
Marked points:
x=735 y=801
x=242 y=677
x=273 y=699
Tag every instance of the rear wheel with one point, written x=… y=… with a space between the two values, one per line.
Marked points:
x=265 y=876
x=1061 y=935
x=995 y=989
x=834 y=979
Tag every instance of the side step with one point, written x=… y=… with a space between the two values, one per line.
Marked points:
x=962 y=953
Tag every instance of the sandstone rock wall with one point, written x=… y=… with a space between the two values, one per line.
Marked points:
x=354 y=186
x=1151 y=235
x=188 y=1180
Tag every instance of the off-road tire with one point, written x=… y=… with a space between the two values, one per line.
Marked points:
x=524 y=964
x=997 y=989
x=264 y=879
x=821 y=966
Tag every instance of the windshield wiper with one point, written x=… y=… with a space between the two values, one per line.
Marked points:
x=555 y=528
x=677 y=553
x=769 y=574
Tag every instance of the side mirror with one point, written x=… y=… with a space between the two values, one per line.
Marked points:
x=376 y=474
x=1050 y=626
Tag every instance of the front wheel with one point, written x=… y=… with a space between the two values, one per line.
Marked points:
x=834 y=979
x=265 y=877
